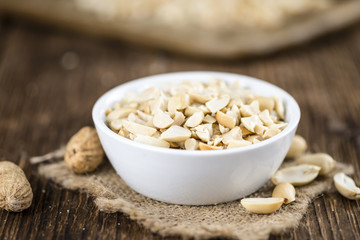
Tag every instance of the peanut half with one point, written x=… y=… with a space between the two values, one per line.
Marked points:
x=297 y=175
x=262 y=205
x=346 y=186
x=298 y=146
x=284 y=190
x=323 y=160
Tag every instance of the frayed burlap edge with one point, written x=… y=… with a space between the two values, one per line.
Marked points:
x=104 y=184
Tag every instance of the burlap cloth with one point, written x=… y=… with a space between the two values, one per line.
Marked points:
x=111 y=194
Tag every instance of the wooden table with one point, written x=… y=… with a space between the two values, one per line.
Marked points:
x=50 y=79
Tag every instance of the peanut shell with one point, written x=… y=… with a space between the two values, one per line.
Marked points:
x=84 y=152
x=15 y=190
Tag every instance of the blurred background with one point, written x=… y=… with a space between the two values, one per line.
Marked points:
x=57 y=57
x=206 y=28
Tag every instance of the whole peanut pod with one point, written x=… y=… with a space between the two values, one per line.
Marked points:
x=84 y=152
x=15 y=190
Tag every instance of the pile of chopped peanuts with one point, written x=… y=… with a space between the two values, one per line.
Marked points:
x=197 y=116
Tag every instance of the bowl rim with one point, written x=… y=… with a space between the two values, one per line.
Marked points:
x=101 y=125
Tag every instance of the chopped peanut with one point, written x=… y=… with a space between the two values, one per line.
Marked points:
x=197 y=116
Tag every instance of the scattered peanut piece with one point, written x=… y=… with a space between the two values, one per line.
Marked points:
x=284 y=190
x=346 y=186
x=262 y=205
x=298 y=146
x=296 y=175
x=323 y=160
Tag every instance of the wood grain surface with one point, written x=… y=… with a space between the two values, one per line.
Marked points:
x=50 y=79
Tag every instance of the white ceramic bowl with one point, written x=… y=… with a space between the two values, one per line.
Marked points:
x=195 y=177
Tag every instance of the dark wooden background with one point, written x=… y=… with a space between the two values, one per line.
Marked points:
x=45 y=99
